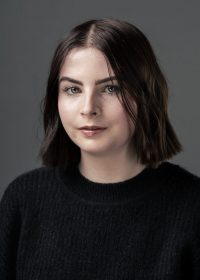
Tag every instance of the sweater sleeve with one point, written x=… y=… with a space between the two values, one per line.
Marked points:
x=196 y=238
x=197 y=256
x=9 y=232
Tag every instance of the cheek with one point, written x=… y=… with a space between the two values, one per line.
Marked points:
x=61 y=110
x=65 y=108
x=65 y=113
x=124 y=121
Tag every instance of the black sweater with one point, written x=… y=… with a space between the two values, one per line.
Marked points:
x=57 y=225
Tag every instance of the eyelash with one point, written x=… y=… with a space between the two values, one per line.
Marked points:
x=116 y=89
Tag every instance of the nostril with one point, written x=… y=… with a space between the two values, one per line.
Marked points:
x=89 y=113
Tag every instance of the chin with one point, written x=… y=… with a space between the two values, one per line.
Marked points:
x=95 y=151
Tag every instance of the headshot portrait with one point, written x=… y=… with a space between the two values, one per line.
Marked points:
x=105 y=200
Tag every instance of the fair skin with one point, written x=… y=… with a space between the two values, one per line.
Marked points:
x=108 y=156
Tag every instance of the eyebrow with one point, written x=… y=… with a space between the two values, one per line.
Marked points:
x=97 y=82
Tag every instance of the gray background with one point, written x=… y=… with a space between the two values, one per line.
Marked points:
x=29 y=34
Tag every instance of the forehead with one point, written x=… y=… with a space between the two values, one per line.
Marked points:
x=86 y=59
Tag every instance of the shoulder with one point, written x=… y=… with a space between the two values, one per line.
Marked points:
x=179 y=174
x=179 y=183
x=33 y=176
x=28 y=182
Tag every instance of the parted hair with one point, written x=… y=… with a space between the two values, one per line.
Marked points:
x=129 y=53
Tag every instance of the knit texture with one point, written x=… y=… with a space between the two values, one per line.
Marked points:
x=55 y=224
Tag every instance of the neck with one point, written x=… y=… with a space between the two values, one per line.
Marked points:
x=109 y=169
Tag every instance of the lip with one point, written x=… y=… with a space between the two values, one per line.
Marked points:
x=90 y=133
x=91 y=128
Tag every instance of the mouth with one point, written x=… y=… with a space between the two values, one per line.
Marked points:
x=91 y=128
x=90 y=132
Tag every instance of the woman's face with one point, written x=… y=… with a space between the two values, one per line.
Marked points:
x=84 y=99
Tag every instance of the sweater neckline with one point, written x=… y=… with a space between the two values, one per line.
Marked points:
x=109 y=193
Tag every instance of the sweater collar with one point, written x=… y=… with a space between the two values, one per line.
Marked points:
x=110 y=193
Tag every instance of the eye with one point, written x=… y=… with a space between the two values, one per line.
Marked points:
x=71 y=90
x=112 y=88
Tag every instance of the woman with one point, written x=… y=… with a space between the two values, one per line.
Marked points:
x=105 y=204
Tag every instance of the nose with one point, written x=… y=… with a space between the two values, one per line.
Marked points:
x=90 y=105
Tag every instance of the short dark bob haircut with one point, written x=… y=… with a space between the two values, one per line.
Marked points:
x=130 y=55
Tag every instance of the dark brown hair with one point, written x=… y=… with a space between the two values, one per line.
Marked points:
x=129 y=53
